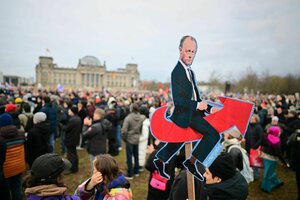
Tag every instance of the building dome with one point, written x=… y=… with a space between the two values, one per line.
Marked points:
x=89 y=60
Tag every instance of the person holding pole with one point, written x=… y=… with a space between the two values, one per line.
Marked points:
x=189 y=110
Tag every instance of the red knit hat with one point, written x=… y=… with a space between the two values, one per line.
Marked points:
x=10 y=107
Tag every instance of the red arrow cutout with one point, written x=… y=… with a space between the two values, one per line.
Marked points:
x=235 y=112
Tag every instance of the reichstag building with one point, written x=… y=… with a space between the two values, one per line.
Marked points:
x=90 y=74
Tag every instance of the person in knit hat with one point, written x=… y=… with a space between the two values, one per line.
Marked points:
x=37 y=138
x=271 y=152
x=39 y=117
x=14 y=164
x=11 y=109
x=5 y=120
x=223 y=181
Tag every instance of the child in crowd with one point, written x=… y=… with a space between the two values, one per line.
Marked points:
x=106 y=183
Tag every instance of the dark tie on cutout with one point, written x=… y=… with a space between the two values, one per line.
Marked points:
x=192 y=81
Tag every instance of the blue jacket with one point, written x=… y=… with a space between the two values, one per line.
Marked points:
x=51 y=113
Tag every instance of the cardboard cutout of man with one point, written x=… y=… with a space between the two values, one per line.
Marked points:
x=189 y=110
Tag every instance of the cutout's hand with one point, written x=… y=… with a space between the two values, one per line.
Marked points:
x=202 y=105
x=214 y=109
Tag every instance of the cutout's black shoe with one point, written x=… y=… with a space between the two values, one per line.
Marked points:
x=194 y=169
x=161 y=166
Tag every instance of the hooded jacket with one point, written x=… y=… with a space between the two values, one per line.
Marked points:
x=235 y=188
x=96 y=135
x=132 y=127
x=37 y=141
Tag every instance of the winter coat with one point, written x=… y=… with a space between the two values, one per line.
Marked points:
x=132 y=126
x=118 y=188
x=51 y=113
x=96 y=136
x=37 y=141
x=2 y=159
x=235 y=153
x=15 y=155
x=179 y=187
x=143 y=141
x=154 y=193
x=72 y=131
x=272 y=152
x=15 y=116
x=235 y=188
x=294 y=145
x=112 y=117
x=82 y=114
x=254 y=136
x=51 y=192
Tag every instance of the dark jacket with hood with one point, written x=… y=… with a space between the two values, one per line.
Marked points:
x=235 y=188
x=72 y=131
x=37 y=141
x=96 y=135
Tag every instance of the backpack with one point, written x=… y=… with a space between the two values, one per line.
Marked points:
x=29 y=123
x=119 y=194
x=247 y=171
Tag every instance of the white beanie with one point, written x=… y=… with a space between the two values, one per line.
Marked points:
x=39 y=117
x=275 y=118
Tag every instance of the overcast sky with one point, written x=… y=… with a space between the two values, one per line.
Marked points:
x=231 y=35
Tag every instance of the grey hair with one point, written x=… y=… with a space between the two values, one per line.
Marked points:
x=185 y=37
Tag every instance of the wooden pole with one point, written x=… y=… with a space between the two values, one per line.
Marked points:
x=189 y=176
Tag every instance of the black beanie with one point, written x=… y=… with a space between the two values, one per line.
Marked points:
x=74 y=110
x=223 y=167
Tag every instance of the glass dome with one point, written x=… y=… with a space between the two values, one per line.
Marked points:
x=89 y=60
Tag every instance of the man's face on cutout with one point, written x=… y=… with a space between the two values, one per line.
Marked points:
x=188 y=51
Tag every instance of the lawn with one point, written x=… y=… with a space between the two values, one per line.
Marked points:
x=139 y=185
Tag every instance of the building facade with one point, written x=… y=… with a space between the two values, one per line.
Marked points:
x=90 y=74
x=14 y=80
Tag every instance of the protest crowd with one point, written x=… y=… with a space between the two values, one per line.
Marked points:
x=42 y=131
